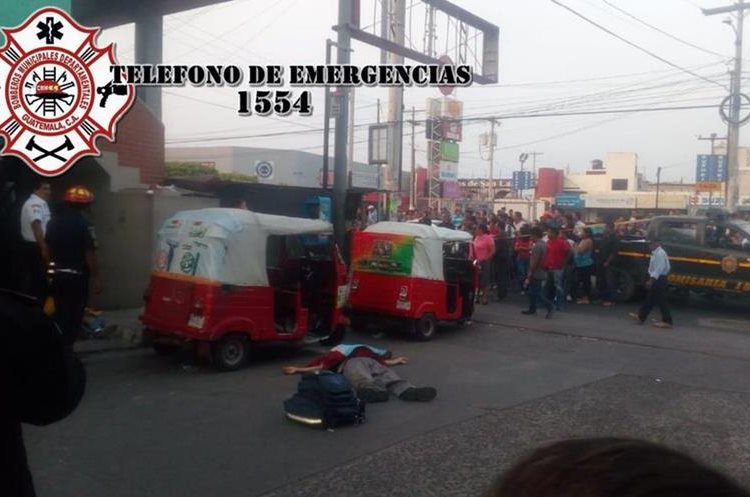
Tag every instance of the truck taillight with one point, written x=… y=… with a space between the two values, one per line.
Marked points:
x=355 y=285
x=403 y=293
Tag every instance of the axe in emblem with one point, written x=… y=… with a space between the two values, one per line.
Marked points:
x=32 y=145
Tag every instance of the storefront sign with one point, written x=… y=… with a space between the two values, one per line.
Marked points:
x=569 y=200
x=708 y=186
x=621 y=201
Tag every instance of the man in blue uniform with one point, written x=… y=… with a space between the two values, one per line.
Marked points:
x=658 y=271
x=73 y=253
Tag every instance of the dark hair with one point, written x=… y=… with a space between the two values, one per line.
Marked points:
x=525 y=230
x=610 y=225
x=537 y=232
x=554 y=231
x=588 y=232
x=611 y=467
x=483 y=228
x=40 y=183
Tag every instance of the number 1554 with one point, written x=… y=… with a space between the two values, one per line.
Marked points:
x=280 y=103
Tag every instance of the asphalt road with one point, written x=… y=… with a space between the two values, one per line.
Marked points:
x=506 y=384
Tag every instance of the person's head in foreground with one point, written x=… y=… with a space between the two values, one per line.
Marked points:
x=612 y=467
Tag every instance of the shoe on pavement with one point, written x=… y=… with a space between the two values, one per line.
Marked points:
x=370 y=395
x=528 y=313
x=549 y=313
x=663 y=325
x=608 y=303
x=636 y=317
x=418 y=394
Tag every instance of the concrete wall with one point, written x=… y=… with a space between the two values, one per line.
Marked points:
x=126 y=224
x=619 y=165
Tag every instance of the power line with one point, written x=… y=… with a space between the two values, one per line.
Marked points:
x=616 y=94
x=665 y=33
x=473 y=119
x=634 y=45
x=568 y=81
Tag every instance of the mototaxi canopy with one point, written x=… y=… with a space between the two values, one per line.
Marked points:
x=225 y=245
x=427 y=241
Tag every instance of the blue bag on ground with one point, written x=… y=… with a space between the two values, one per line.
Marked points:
x=325 y=399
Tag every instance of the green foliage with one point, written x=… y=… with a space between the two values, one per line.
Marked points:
x=177 y=169
x=186 y=169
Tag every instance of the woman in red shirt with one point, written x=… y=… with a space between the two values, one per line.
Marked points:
x=522 y=249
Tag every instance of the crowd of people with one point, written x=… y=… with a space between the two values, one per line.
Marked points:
x=552 y=259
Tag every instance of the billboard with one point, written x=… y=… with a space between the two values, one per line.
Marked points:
x=452 y=129
x=451 y=190
x=711 y=168
x=449 y=151
x=448 y=171
x=521 y=181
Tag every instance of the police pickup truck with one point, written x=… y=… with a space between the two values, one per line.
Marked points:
x=708 y=255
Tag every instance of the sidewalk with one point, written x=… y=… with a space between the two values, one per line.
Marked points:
x=123 y=332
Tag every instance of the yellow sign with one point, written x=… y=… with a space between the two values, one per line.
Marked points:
x=729 y=264
x=717 y=283
x=708 y=186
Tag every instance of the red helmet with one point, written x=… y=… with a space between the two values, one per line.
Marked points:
x=78 y=195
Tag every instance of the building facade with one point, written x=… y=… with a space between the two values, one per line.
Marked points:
x=272 y=166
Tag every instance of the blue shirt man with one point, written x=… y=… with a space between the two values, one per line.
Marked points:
x=659 y=265
x=658 y=269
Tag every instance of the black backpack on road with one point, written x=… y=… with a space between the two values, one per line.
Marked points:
x=325 y=399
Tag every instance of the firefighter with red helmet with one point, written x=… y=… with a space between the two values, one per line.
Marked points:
x=72 y=250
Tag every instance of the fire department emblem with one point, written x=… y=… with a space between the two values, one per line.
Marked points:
x=58 y=92
x=729 y=264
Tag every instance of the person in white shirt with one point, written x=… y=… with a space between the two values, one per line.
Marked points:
x=518 y=221
x=658 y=270
x=372 y=215
x=579 y=225
x=35 y=215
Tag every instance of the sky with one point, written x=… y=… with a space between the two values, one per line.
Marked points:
x=550 y=61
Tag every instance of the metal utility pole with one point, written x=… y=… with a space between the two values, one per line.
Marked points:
x=413 y=182
x=396 y=34
x=350 y=151
x=658 y=183
x=340 y=178
x=491 y=189
x=534 y=155
x=735 y=91
x=713 y=137
x=327 y=118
